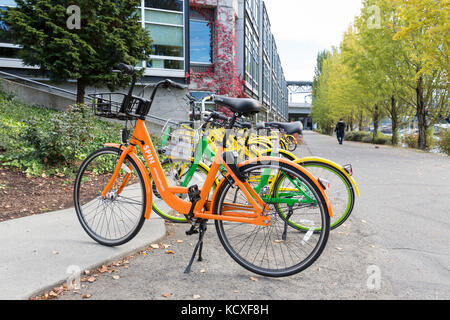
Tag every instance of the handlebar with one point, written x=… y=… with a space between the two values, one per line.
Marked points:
x=126 y=68
x=170 y=83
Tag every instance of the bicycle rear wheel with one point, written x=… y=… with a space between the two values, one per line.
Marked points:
x=117 y=218
x=277 y=250
x=291 y=143
x=340 y=193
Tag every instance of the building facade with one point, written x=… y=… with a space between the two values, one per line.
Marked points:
x=214 y=46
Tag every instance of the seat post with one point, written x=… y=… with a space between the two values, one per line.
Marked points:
x=229 y=126
x=233 y=120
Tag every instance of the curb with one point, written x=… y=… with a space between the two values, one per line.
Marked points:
x=37 y=252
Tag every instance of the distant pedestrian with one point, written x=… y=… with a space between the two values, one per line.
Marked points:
x=340 y=130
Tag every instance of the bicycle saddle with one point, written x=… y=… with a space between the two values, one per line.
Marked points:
x=242 y=106
x=243 y=125
x=289 y=128
x=260 y=126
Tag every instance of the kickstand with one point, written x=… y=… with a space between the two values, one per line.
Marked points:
x=290 y=212
x=198 y=246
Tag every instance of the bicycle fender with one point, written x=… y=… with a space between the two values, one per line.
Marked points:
x=334 y=165
x=298 y=167
x=147 y=182
x=285 y=153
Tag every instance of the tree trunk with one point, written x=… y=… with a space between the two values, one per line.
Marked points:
x=81 y=89
x=421 y=117
x=376 y=121
x=394 y=118
x=360 y=121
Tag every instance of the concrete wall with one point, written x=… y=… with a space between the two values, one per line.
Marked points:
x=169 y=104
x=36 y=96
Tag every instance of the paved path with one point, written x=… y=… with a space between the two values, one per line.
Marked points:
x=42 y=251
x=394 y=246
x=405 y=201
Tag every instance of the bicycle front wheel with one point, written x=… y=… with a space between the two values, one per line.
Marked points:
x=117 y=218
x=277 y=250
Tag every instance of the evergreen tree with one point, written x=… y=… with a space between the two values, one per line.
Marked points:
x=109 y=32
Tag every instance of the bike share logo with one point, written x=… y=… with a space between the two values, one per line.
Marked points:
x=148 y=154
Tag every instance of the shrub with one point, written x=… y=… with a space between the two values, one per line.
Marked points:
x=361 y=136
x=382 y=139
x=38 y=140
x=412 y=140
x=444 y=142
x=367 y=137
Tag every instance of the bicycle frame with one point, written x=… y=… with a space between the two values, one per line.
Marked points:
x=203 y=148
x=254 y=214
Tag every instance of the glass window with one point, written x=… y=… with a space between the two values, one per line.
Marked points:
x=5 y=35
x=251 y=59
x=164 y=20
x=200 y=41
x=13 y=53
x=173 y=5
x=164 y=17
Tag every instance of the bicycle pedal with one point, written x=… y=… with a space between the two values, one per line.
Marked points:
x=194 y=193
x=191 y=231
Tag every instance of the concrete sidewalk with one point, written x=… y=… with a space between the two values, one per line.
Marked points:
x=40 y=252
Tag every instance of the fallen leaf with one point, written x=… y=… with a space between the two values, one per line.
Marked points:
x=202 y=271
x=196 y=296
x=91 y=279
x=155 y=246
x=170 y=252
x=58 y=290
x=52 y=294
x=103 y=269
x=116 y=277
x=253 y=279
x=86 y=296
x=180 y=241
x=166 y=295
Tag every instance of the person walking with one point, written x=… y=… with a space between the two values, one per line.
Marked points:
x=340 y=130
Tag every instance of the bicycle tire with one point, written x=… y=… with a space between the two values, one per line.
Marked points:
x=316 y=242
x=87 y=193
x=291 y=143
x=340 y=212
x=349 y=197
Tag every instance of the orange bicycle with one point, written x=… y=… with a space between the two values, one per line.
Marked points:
x=254 y=219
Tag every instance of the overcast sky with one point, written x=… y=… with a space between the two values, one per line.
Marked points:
x=302 y=28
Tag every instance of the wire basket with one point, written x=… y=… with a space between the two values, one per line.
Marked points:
x=179 y=140
x=114 y=105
